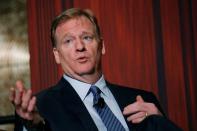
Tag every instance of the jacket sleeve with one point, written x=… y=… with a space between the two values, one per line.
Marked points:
x=157 y=123
x=26 y=125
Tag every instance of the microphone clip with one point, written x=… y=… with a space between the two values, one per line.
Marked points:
x=101 y=103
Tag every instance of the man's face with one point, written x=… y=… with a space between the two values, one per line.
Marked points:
x=77 y=49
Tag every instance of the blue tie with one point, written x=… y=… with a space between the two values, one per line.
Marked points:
x=107 y=116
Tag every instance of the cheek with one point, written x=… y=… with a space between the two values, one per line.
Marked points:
x=96 y=57
x=65 y=57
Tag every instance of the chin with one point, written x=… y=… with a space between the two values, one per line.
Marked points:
x=86 y=71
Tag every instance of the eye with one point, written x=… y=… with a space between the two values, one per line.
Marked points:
x=87 y=38
x=68 y=40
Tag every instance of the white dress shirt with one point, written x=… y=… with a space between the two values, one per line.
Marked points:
x=82 y=90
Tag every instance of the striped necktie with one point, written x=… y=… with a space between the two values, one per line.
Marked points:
x=107 y=116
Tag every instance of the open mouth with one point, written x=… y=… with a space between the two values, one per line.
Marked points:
x=82 y=59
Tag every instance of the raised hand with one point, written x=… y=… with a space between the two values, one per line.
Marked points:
x=24 y=102
x=139 y=110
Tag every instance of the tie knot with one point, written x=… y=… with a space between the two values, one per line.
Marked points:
x=95 y=90
x=96 y=94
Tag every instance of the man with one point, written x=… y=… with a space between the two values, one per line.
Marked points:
x=82 y=99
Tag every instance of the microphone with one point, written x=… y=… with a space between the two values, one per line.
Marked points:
x=101 y=103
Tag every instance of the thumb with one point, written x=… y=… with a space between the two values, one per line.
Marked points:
x=139 y=99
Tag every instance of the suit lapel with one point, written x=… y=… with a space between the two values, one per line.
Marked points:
x=122 y=100
x=71 y=101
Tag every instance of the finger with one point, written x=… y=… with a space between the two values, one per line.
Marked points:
x=138 y=120
x=136 y=116
x=139 y=99
x=131 y=108
x=135 y=107
x=12 y=94
x=151 y=109
x=26 y=98
x=19 y=85
x=32 y=104
x=18 y=96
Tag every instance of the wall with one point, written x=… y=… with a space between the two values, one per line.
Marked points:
x=151 y=45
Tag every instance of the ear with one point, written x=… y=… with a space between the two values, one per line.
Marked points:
x=103 y=47
x=56 y=55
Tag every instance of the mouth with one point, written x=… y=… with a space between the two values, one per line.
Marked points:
x=82 y=59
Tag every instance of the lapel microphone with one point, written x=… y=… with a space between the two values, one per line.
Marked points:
x=101 y=103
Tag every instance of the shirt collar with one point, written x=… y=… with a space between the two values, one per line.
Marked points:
x=82 y=88
x=101 y=84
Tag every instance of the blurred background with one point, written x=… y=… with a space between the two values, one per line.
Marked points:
x=14 y=52
x=150 y=45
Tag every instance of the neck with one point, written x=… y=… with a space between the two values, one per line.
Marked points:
x=88 y=78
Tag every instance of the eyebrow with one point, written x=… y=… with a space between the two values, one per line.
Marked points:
x=82 y=33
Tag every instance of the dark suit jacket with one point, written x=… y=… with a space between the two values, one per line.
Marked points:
x=63 y=110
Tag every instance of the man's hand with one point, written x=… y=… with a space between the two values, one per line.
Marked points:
x=24 y=102
x=139 y=110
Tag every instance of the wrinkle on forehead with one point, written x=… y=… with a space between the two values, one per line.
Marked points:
x=77 y=21
x=75 y=26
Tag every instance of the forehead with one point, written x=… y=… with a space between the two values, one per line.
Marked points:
x=75 y=24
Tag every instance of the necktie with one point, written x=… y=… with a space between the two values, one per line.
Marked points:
x=107 y=116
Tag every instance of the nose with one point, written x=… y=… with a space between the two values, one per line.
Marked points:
x=80 y=46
